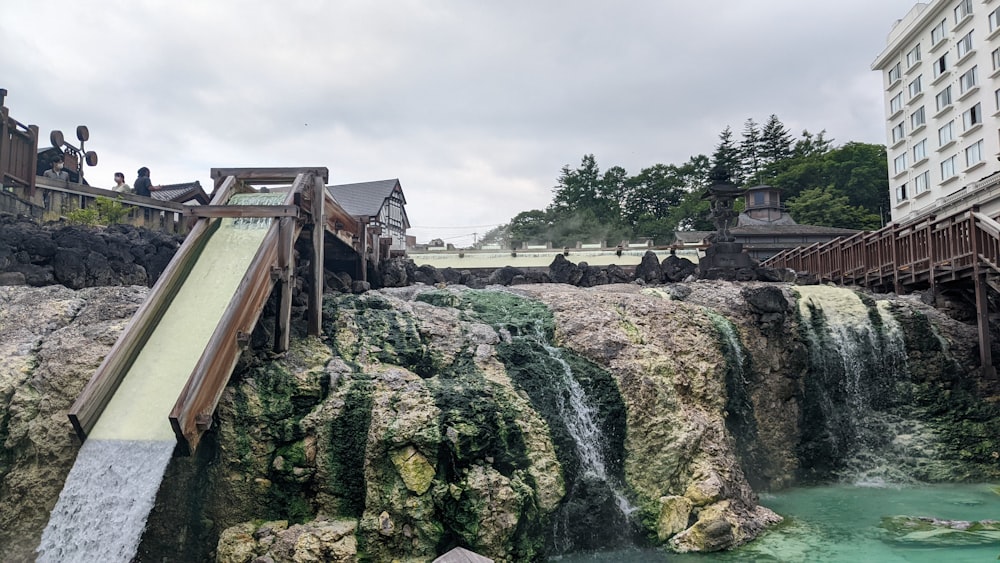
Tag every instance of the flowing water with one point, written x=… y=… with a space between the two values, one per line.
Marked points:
x=857 y=363
x=102 y=509
x=580 y=419
x=841 y=524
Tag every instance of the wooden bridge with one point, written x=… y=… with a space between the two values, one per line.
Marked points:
x=960 y=251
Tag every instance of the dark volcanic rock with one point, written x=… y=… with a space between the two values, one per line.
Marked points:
x=649 y=269
x=78 y=256
x=504 y=276
x=562 y=270
x=677 y=269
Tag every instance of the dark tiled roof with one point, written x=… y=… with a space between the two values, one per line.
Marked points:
x=364 y=198
x=181 y=193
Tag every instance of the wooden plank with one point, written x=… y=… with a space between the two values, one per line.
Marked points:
x=242 y=211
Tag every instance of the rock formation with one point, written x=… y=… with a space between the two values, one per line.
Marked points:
x=427 y=418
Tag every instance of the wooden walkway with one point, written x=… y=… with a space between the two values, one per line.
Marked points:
x=961 y=250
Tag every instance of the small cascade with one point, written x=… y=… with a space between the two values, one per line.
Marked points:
x=102 y=510
x=593 y=483
x=857 y=361
x=740 y=419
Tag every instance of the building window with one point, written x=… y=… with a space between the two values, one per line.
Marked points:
x=938 y=33
x=943 y=98
x=972 y=117
x=913 y=57
x=917 y=119
x=964 y=45
x=963 y=9
x=996 y=97
x=946 y=134
x=974 y=153
x=915 y=87
x=994 y=20
x=899 y=164
x=920 y=151
x=897 y=132
x=921 y=183
x=996 y=59
x=967 y=81
x=940 y=65
x=901 y=193
x=894 y=74
x=896 y=104
x=948 y=168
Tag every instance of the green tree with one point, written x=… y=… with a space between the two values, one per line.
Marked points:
x=726 y=157
x=829 y=207
x=579 y=188
x=751 y=163
x=857 y=170
x=651 y=193
x=860 y=171
x=775 y=143
x=529 y=226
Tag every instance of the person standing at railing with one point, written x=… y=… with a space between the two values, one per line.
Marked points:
x=142 y=184
x=57 y=172
x=120 y=185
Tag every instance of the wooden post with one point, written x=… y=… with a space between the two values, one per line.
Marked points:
x=983 y=320
x=896 y=286
x=315 y=321
x=285 y=285
x=982 y=301
x=931 y=256
x=4 y=140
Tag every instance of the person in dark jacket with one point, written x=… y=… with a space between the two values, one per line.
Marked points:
x=142 y=184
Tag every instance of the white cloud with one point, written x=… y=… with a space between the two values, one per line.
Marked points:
x=475 y=107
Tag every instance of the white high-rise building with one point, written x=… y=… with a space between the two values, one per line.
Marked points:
x=941 y=76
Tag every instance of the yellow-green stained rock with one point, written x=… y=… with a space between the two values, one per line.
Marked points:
x=674 y=514
x=414 y=468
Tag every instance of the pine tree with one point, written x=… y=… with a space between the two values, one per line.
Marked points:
x=726 y=158
x=775 y=142
x=749 y=151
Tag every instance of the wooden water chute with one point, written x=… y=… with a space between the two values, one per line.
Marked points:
x=306 y=206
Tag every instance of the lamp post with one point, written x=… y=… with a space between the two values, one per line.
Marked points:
x=83 y=135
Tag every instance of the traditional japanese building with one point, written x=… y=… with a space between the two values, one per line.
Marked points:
x=380 y=203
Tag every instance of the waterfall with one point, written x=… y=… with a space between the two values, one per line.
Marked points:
x=102 y=509
x=857 y=361
x=593 y=487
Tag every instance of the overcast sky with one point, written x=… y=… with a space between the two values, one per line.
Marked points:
x=474 y=106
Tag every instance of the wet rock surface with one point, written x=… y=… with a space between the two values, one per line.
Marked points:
x=423 y=418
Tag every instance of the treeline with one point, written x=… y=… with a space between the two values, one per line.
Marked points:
x=822 y=184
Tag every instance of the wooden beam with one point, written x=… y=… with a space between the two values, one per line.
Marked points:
x=287 y=234
x=315 y=306
x=268 y=176
x=242 y=211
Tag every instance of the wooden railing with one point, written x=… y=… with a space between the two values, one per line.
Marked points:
x=900 y=256
x=18 y=150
